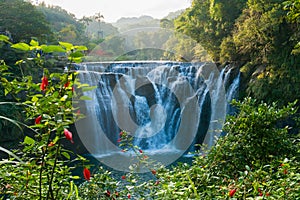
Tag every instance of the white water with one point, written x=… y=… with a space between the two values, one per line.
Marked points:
x=159 y=103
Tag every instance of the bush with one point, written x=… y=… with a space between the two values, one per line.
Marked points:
x=257 y=159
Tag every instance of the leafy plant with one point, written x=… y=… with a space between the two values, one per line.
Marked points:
x=44 y=171
x=265 y=166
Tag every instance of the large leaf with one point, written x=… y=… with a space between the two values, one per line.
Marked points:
x=52 y=48
x=34 y=43
x=12 y=121
x=21 y=46
x=10 y=153
x=76 y=54
x=81 y=48
x=29 y=140
x=67 y=45
x=66 y=155
x=4 y=38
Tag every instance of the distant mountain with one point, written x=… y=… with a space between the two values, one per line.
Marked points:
x=128 y=23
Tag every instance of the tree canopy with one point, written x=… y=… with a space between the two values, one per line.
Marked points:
x=209 y=22
x=23 y=21
x=264 y=34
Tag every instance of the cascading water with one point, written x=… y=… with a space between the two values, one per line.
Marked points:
x=166 y=106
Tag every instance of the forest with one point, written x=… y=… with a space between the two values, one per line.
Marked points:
x=258 y=158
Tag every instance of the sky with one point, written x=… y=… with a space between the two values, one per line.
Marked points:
x=112 y=10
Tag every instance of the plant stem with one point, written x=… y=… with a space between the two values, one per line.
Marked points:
x=42 y=164
x=41 y=173
x=50 y=189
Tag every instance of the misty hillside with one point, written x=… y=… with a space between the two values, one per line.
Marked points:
x=128 y=23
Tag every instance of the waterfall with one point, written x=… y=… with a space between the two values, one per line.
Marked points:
x=166 y=106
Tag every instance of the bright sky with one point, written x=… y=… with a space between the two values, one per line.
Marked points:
x=112 y=10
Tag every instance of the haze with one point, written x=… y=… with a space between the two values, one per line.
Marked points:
x=112 y=10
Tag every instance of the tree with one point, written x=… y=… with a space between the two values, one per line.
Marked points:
x=23 y=21
x=64 y=24
x=98 y=18
x=209 y=22
x=293 y=16
x=262 y=33
x=266 y=37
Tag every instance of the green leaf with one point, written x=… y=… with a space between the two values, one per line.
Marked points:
x=28 y=140
x=34 y=43
x=66 y=155
x=81 y=48
x=12 y=121
x=67 y=45
x=76 y=60
x=34 y=99
x=56 y=139
x=76 y=54
x=4 y=38
x=85 y=98
x=52 y=48
x=247 y=168
x=83 y=85
x=85 y=89
x=21 y=46
x=10 y=153
x=64 y=98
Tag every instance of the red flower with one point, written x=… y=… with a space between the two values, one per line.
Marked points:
x=86 y=174
x=121 y=133
x=38 y=119
x=129 y=196
x=67 y=84
x=157 y=182
x=267 y=194
x=153 y=171
x=259 y=190
x=44 y=83
x=123 y=177
x=140 y=150
x=119 y=140
x=108 y=193
x=260 y=194
x=68 y=135
x=231 y=192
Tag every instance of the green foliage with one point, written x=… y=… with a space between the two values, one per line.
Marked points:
x=254 y=137
x=257 y=159
x=293 y=15
x=262 y=33
x=101 y=186
x=42 y=169
x=276 y=85
x=65 y=26
x=209 y=22
x=294 y=10
x=23 y=21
